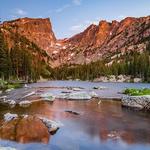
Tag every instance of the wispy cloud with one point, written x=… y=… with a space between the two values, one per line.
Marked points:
x=19 y=12
x=82 y=26
x=77 y=2
x=65 y=7
x=120 y=17
x=76 y=28
x=89 y=22
x=61 y=9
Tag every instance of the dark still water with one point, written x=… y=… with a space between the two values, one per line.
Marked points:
x=107 y=126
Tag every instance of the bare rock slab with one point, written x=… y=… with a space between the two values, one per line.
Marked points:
x=138 y=102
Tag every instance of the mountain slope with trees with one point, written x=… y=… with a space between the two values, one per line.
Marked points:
x=21 y=58
x=29 y=50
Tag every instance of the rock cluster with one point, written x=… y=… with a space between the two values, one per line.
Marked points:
x=119 y=78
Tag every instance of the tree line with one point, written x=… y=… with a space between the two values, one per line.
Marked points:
x=24 y=61
x=132 y=63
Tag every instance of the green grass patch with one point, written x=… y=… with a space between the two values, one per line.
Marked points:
x=4 y=85
x=137 y=92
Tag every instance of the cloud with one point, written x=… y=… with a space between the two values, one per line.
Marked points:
x=76 y=2
x=89 y=22
x=76 y=28
x=20 y=12
x=82 y=26
x=64 y=7
x=59 y=10
x=120 y=17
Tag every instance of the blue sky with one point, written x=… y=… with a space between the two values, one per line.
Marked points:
x=69 y=17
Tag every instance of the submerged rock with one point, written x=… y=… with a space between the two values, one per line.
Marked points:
x=77 y=89
x=25 y=103
x=75 y=96
x=12 y=103
x=4 y=100
x=62 y=96
x=29 y=94
x=72 y=112
x=9 y=117
x=139 y=102
x=99 y=88
x=51 y=125
x=94 y=95
x=48 y=96
x=79 y=96
x=65 y=92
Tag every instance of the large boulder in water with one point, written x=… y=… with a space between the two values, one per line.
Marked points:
x=25 y=130
x=138 y=102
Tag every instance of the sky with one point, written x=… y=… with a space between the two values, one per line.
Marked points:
x=70 y=17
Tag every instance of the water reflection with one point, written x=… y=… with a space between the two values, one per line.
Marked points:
x=96 y=124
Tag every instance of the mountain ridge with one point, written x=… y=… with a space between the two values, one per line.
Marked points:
x=94 y=43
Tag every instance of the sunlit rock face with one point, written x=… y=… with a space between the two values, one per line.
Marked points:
x=108 y=38
x=96 y=42
x=38 y=31
x=25 y=130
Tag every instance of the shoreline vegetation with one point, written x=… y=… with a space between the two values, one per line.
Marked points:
x=137 y=92
x=10 y=85
x=137 y=99
x=14 y=84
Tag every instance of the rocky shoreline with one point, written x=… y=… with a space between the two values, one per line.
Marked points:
x=120 y=79
x=27 y=94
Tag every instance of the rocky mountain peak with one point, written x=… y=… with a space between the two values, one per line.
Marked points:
x=108 y=38
x=38 y=30
x=95 y=42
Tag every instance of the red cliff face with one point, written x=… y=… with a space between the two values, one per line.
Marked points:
x=38 y=31
x=96 y=42
x=101 y=40
x=85 y=37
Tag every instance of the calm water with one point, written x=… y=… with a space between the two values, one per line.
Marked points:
x=107 y=126
x=112 y=89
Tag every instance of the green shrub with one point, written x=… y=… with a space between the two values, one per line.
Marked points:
x=137 y=92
